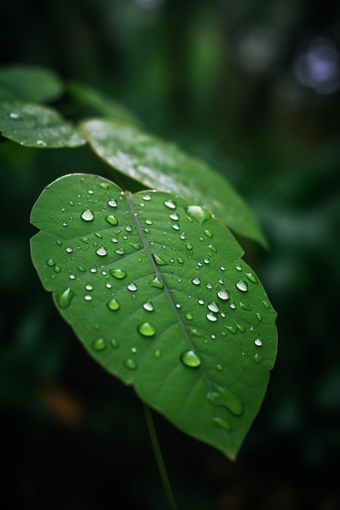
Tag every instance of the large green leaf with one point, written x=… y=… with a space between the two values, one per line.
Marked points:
x=164 y=166
x=154 y=288
x=99 y=102
x=29 y=83
x=34 y=125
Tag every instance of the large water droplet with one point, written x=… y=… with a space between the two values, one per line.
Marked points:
x=64 y=298
x=99 y=344
x=130 y=364
x=211 y=317
x=223 y=294
x=112 y=203
x=189 y=246
x=191 y=359
x=87 y=215
x=198 y=213
x=231 y=329
x=258 y=342
x=244 y=306
x=148 y=222
x=174 y=216
x=118 y=273
x=208 y=233
x=113 y=304
x=146 y=329
x=181 y=261
x=159 y=261
x=120 y=251
x=259 y=316
x=240 y=328
x=157 y=353
x=112 y=219
x=50 y=262
x=213 y=307
x=101 y=252
x=136 y=246
x=104 y=185
x=188 y=316
x=57 y=269
x=221 y=423
x=171 y=204
x=148 y=306
x=147 y=198
x=196 y=281
x=220 y=396
x=251 y=277
x=97 y=234
x=156 y=282
x=265 y=304
x=242 y=285
x=132 y=287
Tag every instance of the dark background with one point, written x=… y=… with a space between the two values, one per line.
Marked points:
x=252 y=87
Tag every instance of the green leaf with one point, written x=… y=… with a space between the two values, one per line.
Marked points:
x=99 y=102
x=154 y=288
x=29 y=83
x=164 y=166
x=34 y=125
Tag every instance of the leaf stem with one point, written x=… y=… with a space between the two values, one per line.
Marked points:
x=159 y=458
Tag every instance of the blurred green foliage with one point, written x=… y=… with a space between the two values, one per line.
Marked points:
x=223 y=80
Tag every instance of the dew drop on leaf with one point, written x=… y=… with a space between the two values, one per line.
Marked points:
x=242 y=285
x=118 y=273
x=213 y=307
x=231 y=329
x=211 y=317
x=112 y=203
x=64 y=298
x=99 y=344
x=88 y=297
x=232 y=306
x=148 y=306
x=258 y=342
x=136 y=246
x=265 y=304
x=159 y=261
x=244 y=306
x=188 y=316
x=132 y=287
x=259 y=316
x=147 y=198
x=120 y=251
x=50 y=262
x=219 y=368
x=57 y=269
x=251 y=277
x=157 y=353
x=130 y=364
x=220 y=396
x=223 y=294
x=156 y=282
x=171 y=204
x=181 y=261
x=196 y=281
x=89 y=287
x=113 y=304
x=146 y=329
x=198 y=213
x=258 y=358
x=195 y=332
x=189 y=246
x=221 y=423
x=104 y=185
x=208 y=233
x=174 y=216
x=114 y=342
x=112 y=219
x=240 y=328
x=148 y=222
x=191 y=359
x=101 y=252
x=87 y=215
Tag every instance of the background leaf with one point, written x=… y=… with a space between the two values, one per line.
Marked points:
x=155 y=289
x=164 y=166
x=29 y=83
x=34 y=125
x=99 y=102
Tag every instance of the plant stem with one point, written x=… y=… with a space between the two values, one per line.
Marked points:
x=159 y=458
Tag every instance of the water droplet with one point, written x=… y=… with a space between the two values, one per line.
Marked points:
x=220 y=396
x=120 y=251
x=221 y=423
x=69 y=249
x=244 y=306
x=232 y=306
x=87 y=215
x=174 y=216
x=104 y=185
x=64 y=298
x=171 y=204
x=195 y=332
x=146 y=198
x=175 y=226
x=196 y=281
x=189 y=246
x=258 y=342
x=112 y=203
x=50 y=262
x=114 y=343
x=118 y=273
x=258 y=358
x=113 y=304
x=136 y=246
x=89 y=287
x=213 y=307
x=57 y=269
x=128 y=228
x=108 y=285
x=201 y=301
x=251 y=277
x=156 y=282
x=112 y=219
x=198 y=213
x=265 y=304
x=191 y=359
x=259 y=316
x=148 y=222
x=212 y=248
x=231 y=329
x=240 y=328
x=239 y=268
x=41 y=142
x=130 y=364
x=71 y=203
x=242 y=285
x=157 y=353
x=101 y=252
x=64 y=224
x=97 y=234
x=182 y=236
x=181 y=261
x=206 y=261
x=148 y=306
x=99 y=344
x=93 y=270
x=208 y=233
x=132 y=287
x=188 y=316
x=222 y=268
x=219 y=368
x=209 y=286
x=90 y=192
x=59 y=243
x=211 y=317
x=146 y=329
x=178 y=305
x=223 y=294
x=159 y=261
x=14 y=116
x=88 y=297
x=146 y=230
x=114 y=240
